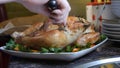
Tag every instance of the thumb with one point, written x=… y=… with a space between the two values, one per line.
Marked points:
x=57 y=12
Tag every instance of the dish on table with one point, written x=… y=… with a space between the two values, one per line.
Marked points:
x=112 y=36
x=111 y=29
x=111 y=32
x=67 y=56
x=116 y=40
x=112 y=23
x=49 y=41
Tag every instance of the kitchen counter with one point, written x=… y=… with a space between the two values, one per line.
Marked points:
x=108 y=50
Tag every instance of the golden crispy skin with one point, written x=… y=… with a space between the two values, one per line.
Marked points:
x=91 y=37
x=54 y=38
x=35 y=37
x=33 y=28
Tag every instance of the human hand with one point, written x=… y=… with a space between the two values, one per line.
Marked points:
x=58 y=16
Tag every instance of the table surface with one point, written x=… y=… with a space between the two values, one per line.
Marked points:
x=108 y=50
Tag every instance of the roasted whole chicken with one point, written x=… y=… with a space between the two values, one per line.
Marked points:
x=77 y=31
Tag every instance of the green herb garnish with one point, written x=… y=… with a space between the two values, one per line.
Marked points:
x=44 y=50
x=68 y=48
x=11 y=45
x=23 y=48
x=55 y=50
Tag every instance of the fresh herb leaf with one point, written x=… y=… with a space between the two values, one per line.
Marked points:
x=52 y=49
x=57 y=50
x=23 y=48
x=88 y=45
x=11 y=41
x=68 y=48
x=10 y=45
x=44 y=50
x=102 y=37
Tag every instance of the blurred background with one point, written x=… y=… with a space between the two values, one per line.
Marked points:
x=92 y=10
x=17 y=10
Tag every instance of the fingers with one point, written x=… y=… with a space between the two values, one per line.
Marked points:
x=38 y=6
x=37 y=1
x=57 y=12
x=60 y=15
x=60 y=18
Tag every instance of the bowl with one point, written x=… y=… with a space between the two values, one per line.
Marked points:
x=115 y=40
x=111 y=29
x=111 y=32
x=115 y=7
x=112 y=36
x=111 y=23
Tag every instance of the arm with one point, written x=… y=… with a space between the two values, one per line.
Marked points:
x=58 y=16
x=6 y=1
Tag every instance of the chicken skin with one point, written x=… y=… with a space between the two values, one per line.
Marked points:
x=50 y=35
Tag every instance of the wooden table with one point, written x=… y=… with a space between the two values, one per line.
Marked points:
x=3 y=13
x=4 y=58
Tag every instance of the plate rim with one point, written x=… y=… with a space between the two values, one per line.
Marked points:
x=111 y=25
x=3 y=48
x=110 y=32
x=57 y=56
x=117 y=40
x=110 y=29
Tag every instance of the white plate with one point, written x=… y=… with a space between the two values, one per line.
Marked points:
x=67 y=56
x=111 y=29
x=111 y=26
x=116 y=40
x=111 y=32
x=112 y=36
x=111 y=23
